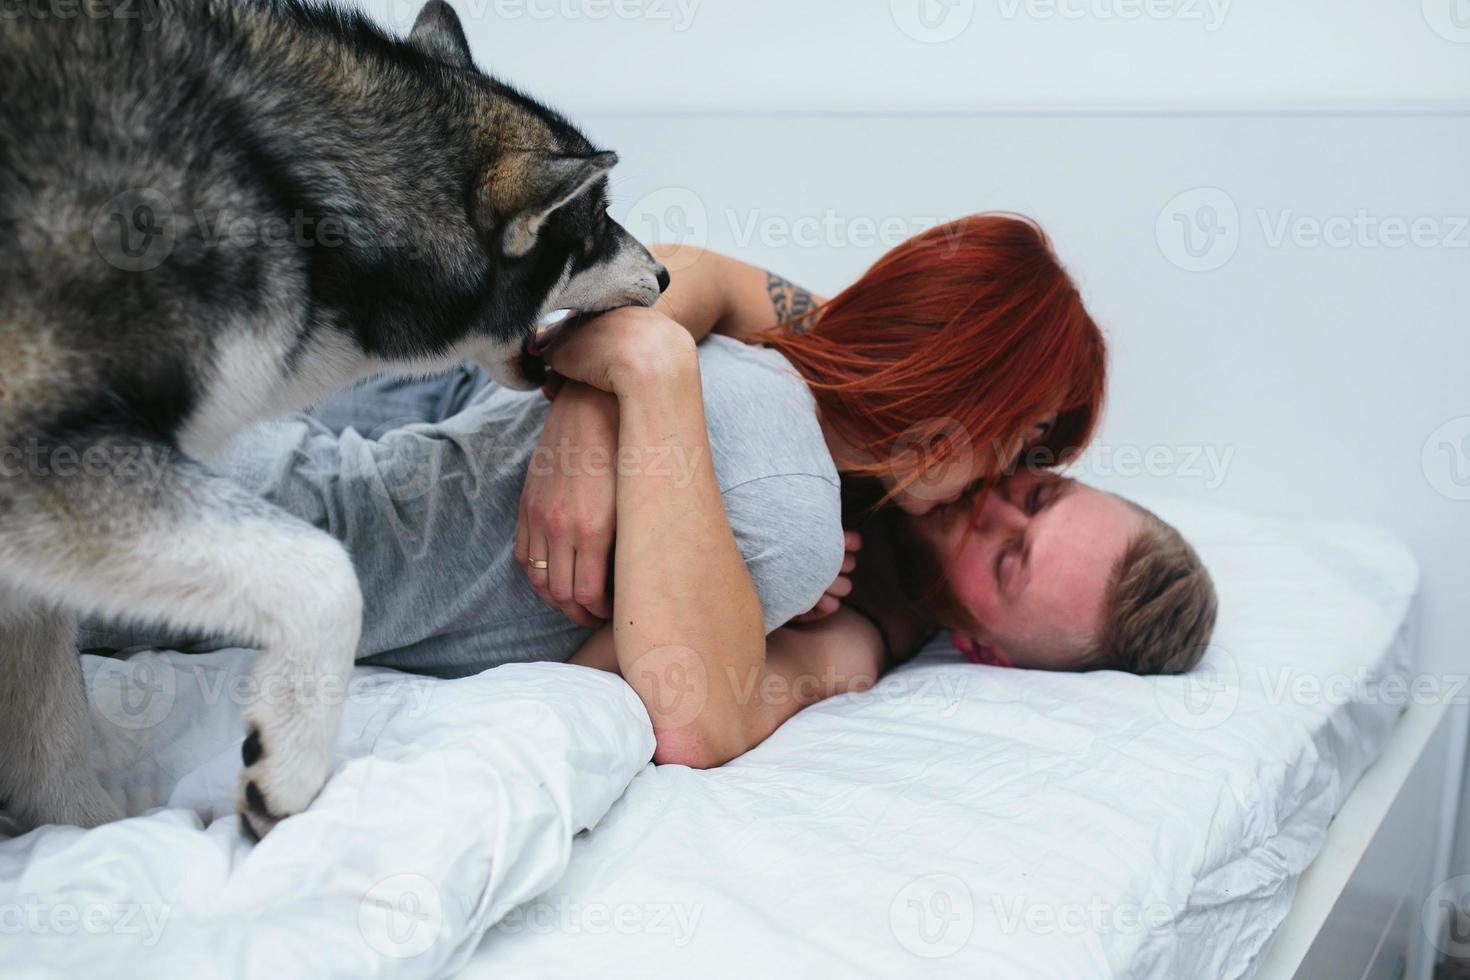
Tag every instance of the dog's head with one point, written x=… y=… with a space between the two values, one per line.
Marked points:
x=539 y=205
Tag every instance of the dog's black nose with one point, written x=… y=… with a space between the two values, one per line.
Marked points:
x=663 y=278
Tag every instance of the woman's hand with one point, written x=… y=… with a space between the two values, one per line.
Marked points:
x=567 y=507
x=567 y=514
x=623 y=350
x=841 y=586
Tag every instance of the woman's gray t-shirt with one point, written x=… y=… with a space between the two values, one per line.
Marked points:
x=428 y=510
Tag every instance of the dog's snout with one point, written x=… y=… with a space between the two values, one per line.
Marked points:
x=662 y=275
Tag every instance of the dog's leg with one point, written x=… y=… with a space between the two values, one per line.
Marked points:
x=45 y=728
x=171 y=543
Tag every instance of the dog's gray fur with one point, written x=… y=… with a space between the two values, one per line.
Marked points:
x=207 y=216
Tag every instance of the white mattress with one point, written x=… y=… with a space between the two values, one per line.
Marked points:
x=972 y=821
x=955 y=820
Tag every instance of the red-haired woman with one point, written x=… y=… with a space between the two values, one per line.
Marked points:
x=928 y=376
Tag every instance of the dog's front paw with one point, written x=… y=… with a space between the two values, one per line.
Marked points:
x=287 y=759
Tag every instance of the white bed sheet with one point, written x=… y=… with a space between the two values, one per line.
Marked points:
x=956 y=820
x=453 y=801
x=970 y=821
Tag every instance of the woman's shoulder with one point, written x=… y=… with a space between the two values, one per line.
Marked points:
x=737 y=355
x=762 y=418
x=737 y=370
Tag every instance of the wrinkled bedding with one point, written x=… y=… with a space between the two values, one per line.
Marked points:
x=956 y=820
x=455 y=801
x=964 y=821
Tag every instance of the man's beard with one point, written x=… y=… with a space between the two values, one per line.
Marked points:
x=923 y=574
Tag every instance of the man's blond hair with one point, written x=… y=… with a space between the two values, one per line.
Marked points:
x=1159 y=610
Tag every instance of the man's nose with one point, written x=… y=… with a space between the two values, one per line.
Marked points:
x=999 y=515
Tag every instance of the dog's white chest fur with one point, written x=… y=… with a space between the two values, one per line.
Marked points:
x=254 y=379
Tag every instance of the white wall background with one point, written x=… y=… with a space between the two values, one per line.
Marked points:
x=1330 y=379
x=902 y=55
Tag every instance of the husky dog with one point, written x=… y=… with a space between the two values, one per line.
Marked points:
x=214 y=214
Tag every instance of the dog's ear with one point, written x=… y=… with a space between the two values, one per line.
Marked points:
x=524 y=187
x=438 y=34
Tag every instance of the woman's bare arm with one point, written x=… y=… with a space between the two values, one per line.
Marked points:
x=709 y=292
x=685 y=612
x=804 y=664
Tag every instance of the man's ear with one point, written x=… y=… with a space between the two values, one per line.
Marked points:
x=438 y=34
x=524 y=188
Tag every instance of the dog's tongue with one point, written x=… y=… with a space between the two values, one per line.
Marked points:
x=548 y=328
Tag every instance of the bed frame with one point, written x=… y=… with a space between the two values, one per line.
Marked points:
x=1357 y=909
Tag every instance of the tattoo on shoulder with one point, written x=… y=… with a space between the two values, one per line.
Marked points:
x=790 y=301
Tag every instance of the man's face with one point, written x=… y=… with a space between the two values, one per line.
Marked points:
x=1026 y=568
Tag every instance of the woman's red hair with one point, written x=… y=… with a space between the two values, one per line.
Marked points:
x=972 y=322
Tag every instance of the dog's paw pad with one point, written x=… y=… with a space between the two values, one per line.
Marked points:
x=255 y=800
x=250 y=752
x=290 y=741
x=287 y=759
x=256 y=818
x=248 y=831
